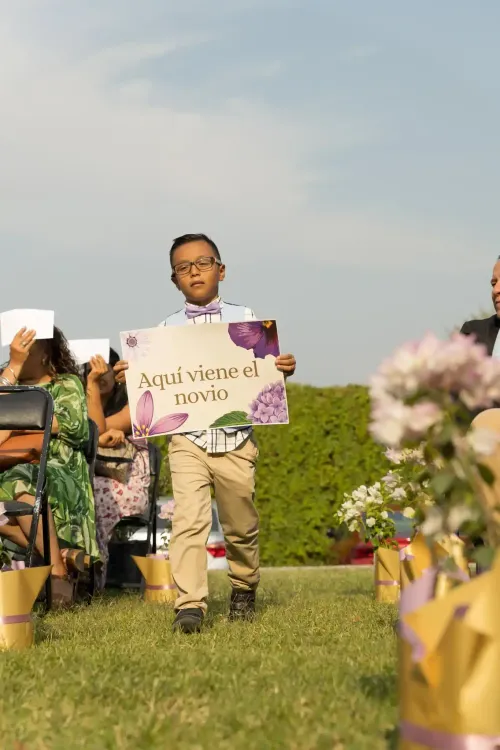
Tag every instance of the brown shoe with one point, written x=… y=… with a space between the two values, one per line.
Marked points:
x=63 y=592
x=74 y=560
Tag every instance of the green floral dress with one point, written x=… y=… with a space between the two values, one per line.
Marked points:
x=68 y=484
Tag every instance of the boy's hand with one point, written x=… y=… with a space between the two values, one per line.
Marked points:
x=119 y=370
x=286 y=364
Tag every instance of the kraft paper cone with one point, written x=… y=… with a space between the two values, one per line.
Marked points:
x=157 y=573
x=18 y=592
x=417 y=557
x=386 y=575
x=449 y=676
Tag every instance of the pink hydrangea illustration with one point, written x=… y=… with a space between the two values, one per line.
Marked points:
x=270 y=405
x=259 y=335
x=144 y=427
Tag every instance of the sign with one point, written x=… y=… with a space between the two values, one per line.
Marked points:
x=40 y=321
x=84 y=349
x=196 y=377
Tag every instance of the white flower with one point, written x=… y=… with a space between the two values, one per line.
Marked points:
x=483 y=442
x=458 y=515
x=393 y=456
x=434 y=523
x=391 y=479
x=409 y=512
x=370 y=522
x=361 y=493
x=399 y=494
x=384 y=515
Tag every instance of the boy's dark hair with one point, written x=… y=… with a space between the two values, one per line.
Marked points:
x=186 y=238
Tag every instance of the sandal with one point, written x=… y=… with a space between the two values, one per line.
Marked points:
x=63 y=592
x=75 y=560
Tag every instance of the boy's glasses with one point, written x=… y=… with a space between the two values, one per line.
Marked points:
x=205 y=263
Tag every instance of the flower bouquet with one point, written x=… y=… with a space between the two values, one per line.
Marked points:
x=424 y=396
x=155 y=568
x=368 y=510
x=19 y=588
x=449 y=634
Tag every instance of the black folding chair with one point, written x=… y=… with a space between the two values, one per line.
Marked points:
x=121 y=568
x=31 y=408
x=154 y=491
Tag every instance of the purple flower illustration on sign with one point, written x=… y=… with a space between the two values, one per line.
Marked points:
x=261 y=336
x=135 y=345
x=144 y=426
x=270 y=405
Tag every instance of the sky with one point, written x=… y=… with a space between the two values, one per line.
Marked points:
x=343 y=155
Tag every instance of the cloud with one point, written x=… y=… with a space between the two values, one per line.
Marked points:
x=99 y=156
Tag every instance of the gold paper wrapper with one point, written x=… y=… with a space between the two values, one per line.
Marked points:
x=417 y=557
x=386 y=563
x=157 y=573
x=18 y=592
x=449 y=669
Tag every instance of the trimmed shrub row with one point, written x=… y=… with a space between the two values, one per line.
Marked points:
x=305 y=468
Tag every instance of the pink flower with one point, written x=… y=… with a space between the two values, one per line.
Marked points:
x=143 y=426
x=458 y=365
x=394 y=423
x=167 y=510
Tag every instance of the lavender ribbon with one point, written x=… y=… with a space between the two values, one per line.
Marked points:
x=404 y=555
x=445 y=741
x=160 y=587
x=14 y=619
x=386 y=583
x=413 y=597
x=193 y=311
x=159 y=556
x=13 y=565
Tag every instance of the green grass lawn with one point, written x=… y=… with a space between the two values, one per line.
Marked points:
x=316 y=671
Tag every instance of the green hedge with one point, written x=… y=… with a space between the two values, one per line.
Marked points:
x=305 y=468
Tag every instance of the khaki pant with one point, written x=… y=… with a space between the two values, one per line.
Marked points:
x=232 y=475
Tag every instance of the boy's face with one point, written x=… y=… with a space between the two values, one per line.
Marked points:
x=198 y=286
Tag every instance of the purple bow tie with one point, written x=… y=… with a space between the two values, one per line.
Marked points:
x=193 y=311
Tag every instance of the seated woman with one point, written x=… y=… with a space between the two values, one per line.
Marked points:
x=50 y=364
x=108 y=406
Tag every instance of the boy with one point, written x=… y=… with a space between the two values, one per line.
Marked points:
x=223 y=459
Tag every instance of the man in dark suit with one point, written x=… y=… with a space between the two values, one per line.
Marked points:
x=486 y=331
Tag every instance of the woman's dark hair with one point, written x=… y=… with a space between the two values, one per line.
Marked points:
x=118 y=398
x=60 y=360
